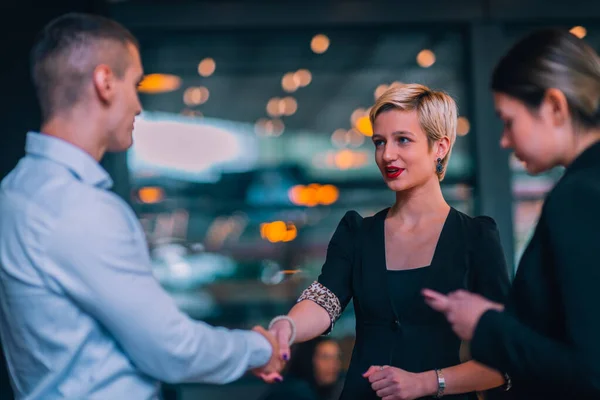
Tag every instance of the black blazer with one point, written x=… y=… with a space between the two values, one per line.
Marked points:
x=468 y=256
x=548 y=339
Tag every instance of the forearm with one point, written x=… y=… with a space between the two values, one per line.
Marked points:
x=468 y=377
x=503 y=342
x=311 y=320
x=213 y=355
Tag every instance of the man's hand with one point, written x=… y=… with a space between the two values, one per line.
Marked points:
x=271 y=371
x=390 y=383
x=462 y=309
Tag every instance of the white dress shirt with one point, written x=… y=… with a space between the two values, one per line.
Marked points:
x=81 y=315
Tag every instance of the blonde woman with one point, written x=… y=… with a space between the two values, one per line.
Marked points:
x=405 y=350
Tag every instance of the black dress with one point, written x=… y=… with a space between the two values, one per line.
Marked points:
x=394 y=326
x=548 y=339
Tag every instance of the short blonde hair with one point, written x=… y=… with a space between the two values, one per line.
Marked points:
x=437 y=112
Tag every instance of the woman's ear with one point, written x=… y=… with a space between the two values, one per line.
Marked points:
x=556 y=107
x=442 y=147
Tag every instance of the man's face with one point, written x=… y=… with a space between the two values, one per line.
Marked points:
x=125 y=104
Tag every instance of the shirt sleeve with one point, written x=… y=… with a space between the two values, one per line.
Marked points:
x=333 y=288
x=102 y=264
x=504 y=342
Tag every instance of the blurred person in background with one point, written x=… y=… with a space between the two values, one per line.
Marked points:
x=81 y=315
x=404 y=350
x=547 y=93
x=314 y=372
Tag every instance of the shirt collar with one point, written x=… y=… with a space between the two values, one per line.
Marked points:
x=80 y=163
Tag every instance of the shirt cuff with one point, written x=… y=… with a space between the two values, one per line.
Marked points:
x=260 y=350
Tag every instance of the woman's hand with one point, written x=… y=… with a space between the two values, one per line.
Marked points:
x=392 y=383
x=462 y=309
x=270 y=372
x=282 y=331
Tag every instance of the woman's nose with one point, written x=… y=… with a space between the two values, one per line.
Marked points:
x=505 y=142
x=389 y=154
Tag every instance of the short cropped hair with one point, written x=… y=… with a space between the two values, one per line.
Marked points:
x=437 y=112
x=67 y=51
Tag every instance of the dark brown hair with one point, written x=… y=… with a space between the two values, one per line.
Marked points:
x=67 y=51
x=552 y=58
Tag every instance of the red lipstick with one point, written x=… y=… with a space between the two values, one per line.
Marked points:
x=393 y=172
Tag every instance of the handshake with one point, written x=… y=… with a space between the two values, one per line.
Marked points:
x=281 y=335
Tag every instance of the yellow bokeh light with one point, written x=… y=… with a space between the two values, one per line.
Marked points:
x=191 y=113
x=579 y=31
x=313 y=195
x=291 y=271
x=291 y=233
x=194 y=96
x=344 y=159
x=363 y=125
x=462 y=126
x=357 y=114
x=260 y=126
x=295 y=194
x=274 y=231
x=354 y=138
x=327 y=194
x=380 y=90
x=289 y=105
x=339 y=138
x=273 y=107
x=308 y=197
x=207 y=67
x=269 y=127
x=151 y=195
x=277 y=127
x=204 y=94
x=278 y=231
x=426 y=58
x=303 y=77
x=319 y=43
x=159 y=83
x=289 y=83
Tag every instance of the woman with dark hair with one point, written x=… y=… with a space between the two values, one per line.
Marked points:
x=547 y=339
x=313 y=374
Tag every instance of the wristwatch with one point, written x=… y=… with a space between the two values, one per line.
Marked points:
x=441 y=383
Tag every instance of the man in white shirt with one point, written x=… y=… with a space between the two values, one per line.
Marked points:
x=81 y=315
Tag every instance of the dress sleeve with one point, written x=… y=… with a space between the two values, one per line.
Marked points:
x=333 y=288
x=491 y=278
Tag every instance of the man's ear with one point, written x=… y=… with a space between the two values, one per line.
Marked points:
x=104 y=83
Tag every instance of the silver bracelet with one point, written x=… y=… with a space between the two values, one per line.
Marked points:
x=441 y=383
x=291 y=322
x=508 y=384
